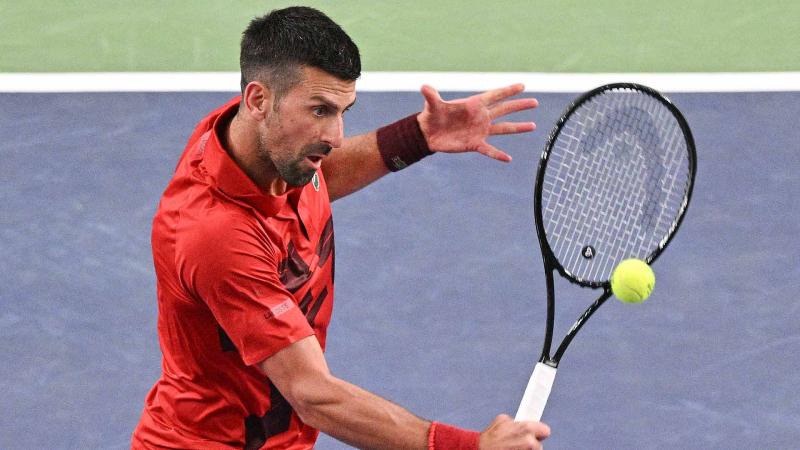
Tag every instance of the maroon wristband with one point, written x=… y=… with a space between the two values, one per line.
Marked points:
x=445 y=437
x=402 y=143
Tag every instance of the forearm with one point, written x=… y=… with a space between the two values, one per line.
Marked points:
x=361 y=419
x=365 y=158
x=338 y=408
x=353 y=166
x=365 y=420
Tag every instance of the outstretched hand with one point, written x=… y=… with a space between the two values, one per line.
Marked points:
x=463 y=125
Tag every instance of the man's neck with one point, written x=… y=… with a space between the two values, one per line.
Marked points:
x=241 y=143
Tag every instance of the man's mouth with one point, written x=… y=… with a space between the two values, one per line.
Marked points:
x=317 y=156
x=315 y=160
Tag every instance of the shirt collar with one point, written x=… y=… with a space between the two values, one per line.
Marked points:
x=229 y=177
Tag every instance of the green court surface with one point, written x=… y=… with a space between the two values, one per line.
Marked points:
x=415 y=35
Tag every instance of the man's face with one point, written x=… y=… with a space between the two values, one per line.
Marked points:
x=306 y=124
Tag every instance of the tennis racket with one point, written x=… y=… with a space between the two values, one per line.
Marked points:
x=614 y=182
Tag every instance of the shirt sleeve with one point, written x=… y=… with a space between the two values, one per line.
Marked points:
x=231 y=266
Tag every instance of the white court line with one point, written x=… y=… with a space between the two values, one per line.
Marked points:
x=404 y=81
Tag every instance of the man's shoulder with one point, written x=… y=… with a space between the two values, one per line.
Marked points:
x=225 y=235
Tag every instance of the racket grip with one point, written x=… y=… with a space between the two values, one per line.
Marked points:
x=535 y=397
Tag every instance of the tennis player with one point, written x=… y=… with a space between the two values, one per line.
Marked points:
x=243 y=246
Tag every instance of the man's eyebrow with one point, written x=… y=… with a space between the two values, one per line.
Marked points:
x=331 y=104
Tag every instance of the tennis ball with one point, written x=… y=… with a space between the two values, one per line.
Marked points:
x=632 y=281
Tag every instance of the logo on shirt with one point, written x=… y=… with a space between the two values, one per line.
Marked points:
x=279 y=309
x=315 y=181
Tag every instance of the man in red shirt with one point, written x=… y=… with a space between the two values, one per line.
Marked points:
x=244 y=252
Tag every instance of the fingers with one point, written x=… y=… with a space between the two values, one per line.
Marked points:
x=504 y=433
x=431 y=95
x=500 y=419
x=512 y=106
x=511 y=127
x=540 y=430
x=494 y=153
x=456 y=126
x=495 y=95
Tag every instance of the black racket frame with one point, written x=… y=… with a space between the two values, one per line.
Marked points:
x=551 y=263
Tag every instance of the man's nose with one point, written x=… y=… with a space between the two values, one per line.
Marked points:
x=333 y=134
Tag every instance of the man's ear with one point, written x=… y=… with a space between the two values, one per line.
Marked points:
x=257 y=100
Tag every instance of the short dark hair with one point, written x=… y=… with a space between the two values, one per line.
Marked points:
x=276 y=45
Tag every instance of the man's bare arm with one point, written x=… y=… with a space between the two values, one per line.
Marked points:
x=340 y=409
x=356 y=164
x=364 y=420
x=456 y=126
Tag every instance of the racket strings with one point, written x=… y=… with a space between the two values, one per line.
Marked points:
x=615 y=182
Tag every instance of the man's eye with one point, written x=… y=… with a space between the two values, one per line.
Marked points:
x=320 y=111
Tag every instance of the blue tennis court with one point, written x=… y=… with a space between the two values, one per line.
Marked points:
x=440 y=291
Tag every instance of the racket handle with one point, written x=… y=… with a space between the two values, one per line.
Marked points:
x=535 y=397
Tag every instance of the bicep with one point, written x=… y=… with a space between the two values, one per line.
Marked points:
x=299 y=371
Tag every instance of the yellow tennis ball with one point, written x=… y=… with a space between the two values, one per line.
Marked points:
x=632 y=281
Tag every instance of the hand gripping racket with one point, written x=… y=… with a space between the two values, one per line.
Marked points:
x=614 y=181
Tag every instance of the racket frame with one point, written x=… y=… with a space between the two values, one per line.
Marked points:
x=541 y=380
x=549 y=259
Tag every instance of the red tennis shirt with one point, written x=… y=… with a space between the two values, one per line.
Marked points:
x=240 y=276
